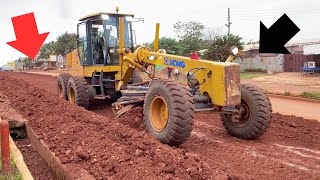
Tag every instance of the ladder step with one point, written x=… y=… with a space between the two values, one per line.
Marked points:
x=100 y=97
x=204 y=109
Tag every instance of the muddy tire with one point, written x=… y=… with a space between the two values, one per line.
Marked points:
x=136 y=78
x=168 y=112
x=78 y=92
x=256 y=114
x=62 y=85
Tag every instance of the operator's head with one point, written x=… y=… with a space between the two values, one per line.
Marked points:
x=95 y=31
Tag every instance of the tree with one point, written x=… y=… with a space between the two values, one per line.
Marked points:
x=171 y=45
x=188 y=30
x=65 y=43
x=211 y=33
x=27 y=62
x=190 y=36
x=47 y=49
x=219 y=50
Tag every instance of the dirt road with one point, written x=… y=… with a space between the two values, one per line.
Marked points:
x=289 y=150
x=288 y=82
x=307 y=110
x=304 y=109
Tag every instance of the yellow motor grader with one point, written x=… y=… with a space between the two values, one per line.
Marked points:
x=106 y=64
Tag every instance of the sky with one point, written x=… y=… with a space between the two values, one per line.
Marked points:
x=59 y=16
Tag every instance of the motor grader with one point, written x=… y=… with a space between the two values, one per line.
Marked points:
x=105 y=65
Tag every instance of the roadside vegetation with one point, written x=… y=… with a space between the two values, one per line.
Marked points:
x=287 y=93
x=14 y=175
x=311 y=95
x=211 y=43
x=251 y=75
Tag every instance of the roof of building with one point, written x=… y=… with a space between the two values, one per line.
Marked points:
x=255 y=46
x=100 y=13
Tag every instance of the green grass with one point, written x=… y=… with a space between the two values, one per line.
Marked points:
x=287 y=93
x=15 y=175
x=251 y=75
x=311 y=95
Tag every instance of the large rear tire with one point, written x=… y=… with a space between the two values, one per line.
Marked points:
x=169 y=112
x=78 y=92
x=62 y=85
x=254 y=117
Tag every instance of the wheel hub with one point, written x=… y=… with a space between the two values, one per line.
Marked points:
x=61 y=94
x=72 y=96
x=242 y=118
x=159 y=113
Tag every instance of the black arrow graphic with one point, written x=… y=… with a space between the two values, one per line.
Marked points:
x=272 y=40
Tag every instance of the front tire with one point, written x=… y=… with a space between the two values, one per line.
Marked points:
x=254 y=117
x=169 y=112
x=78 y=92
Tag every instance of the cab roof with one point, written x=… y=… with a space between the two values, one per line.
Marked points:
x=100 y=13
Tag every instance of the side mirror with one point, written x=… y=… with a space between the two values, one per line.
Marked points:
x=137 y=20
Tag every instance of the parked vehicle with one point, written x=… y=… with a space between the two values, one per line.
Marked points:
x=6 y=68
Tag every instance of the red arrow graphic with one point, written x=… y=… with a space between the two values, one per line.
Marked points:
x=28 y=40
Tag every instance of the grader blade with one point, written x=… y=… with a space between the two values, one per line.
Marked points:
x=124 y=104
x=125 y=109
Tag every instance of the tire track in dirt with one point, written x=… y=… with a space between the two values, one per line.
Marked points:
x=289 y=150
x=271 y=160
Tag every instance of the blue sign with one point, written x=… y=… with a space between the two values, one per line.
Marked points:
x=173 y=62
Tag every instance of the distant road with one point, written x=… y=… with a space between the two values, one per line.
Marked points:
x=44 y=73
x=307 y=110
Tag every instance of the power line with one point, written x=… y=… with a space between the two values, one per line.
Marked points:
x=263 y=11
x=229 y=23
x=256 y=16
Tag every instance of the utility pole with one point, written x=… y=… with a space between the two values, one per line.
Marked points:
x=229 y=23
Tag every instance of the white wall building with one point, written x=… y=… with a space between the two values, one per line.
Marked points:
x=311 y=49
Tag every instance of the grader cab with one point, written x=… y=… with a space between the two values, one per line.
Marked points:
x=106 y=66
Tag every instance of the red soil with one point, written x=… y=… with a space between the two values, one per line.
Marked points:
x=103 y=146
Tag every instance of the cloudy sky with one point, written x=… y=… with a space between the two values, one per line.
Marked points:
x=58 y=16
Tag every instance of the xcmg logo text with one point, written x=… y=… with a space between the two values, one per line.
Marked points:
x=173 y=62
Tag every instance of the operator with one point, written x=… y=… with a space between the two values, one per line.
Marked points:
x=102 y=49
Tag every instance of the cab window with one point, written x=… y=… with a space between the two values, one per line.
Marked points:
x=82 y=44
x=98 y=43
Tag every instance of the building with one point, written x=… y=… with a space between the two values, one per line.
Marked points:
x=301 y=52
x=49 y=62
x=20 y=63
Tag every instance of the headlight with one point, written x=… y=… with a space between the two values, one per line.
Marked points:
x=234 y=50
